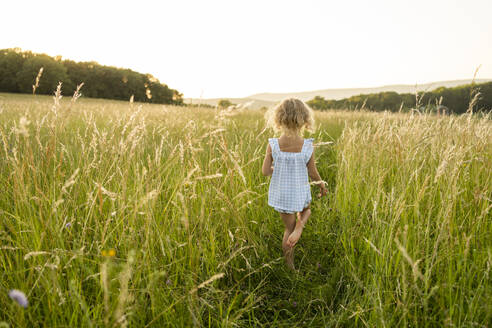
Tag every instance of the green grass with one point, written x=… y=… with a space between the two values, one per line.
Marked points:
x=404 y=237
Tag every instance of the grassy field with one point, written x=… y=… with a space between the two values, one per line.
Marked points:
x=122 y=214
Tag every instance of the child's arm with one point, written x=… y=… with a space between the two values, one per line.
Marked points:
x=267 y=168
x=314 y=175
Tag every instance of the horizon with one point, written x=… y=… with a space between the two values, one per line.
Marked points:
x=484 y=79
x=224 y=50
x=434 y=83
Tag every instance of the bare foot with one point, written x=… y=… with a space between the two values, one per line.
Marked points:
x=296 y=234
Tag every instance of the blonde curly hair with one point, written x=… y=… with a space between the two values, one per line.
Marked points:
x=290 y=116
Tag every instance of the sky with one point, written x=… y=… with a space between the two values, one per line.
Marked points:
x=235 y=48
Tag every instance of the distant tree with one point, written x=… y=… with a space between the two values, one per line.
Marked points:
x=135 y=85
x=456 y=100
x=390 y=100
x=78 y=73
x=11 y=61
x=485 y=102
x=53 y=72
x=407 y=100
x=224 y=103
x=177 y=98
x=318 y=102
x=18 y=71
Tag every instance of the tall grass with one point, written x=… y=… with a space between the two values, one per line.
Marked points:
x=415 y=196
x=121 y=214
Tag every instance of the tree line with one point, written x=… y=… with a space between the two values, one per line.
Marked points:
x=19 y=71
x=454 y=100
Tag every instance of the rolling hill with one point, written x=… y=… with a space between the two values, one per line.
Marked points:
x=268 y=99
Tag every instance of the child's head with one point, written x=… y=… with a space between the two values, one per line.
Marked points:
x=291 y=116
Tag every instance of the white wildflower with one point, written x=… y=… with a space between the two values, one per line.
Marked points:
x=22 y=129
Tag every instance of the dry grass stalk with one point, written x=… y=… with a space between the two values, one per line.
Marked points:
x=38 y=78
x=76 y=94
x=208 y=281
x=124 y=296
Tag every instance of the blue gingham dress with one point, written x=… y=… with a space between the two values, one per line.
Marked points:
x=289 y=190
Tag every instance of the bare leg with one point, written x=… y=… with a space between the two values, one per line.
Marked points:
x=290 y=223
x=296 y=234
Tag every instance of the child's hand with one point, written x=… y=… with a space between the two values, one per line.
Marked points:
x=322 y=190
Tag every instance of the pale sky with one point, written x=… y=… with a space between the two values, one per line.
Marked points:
x=237 y=48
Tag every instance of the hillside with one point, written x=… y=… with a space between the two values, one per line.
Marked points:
x=249 y=102
x=268 y=99
x=337 y=94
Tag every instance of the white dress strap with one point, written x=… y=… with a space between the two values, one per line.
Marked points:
x=274 y=146
x=308 y=149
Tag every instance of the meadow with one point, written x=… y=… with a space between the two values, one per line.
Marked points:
x=126 y=214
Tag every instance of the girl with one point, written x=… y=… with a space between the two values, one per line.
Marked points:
x=293 y=161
